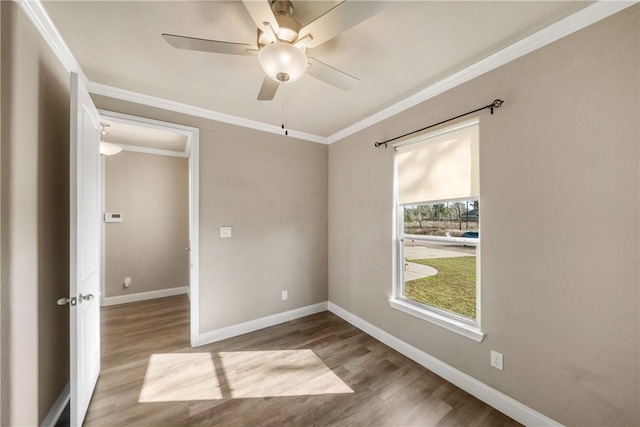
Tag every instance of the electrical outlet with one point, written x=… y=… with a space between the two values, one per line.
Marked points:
x=285 y=295
x=496 y=360
x=127 y=282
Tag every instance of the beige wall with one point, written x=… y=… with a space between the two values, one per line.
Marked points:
x=560 y=226
x=272 y=190
x=152 y=193
x=35 y=222
x=4 y=295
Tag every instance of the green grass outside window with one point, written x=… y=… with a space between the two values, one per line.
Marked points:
x=452 y=289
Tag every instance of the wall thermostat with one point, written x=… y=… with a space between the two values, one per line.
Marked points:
x=112 y=217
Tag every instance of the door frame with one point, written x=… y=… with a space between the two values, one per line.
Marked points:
x=192 y=152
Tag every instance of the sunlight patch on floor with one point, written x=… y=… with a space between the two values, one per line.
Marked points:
x=279 y=373
x=179 y=377
x=176 y=377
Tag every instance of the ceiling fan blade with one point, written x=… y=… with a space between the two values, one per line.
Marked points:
x=340 y=18
x=260 y=11
x=204 y=45
x=268 y=89
x=333 y=76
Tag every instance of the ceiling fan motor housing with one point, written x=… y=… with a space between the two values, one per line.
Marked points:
x=289 y=27
x=282 y=7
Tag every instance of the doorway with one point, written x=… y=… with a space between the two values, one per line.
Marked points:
x=168 y=142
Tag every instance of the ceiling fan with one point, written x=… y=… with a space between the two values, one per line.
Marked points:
x=282 y=42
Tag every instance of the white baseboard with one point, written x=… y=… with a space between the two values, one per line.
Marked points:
x=490 y=396
x=142 y=296
x=257 y=324
x=58 y=407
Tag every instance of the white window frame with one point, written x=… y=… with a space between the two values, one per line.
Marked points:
x=448 y=320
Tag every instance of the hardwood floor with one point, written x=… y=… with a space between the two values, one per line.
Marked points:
x=318 y=370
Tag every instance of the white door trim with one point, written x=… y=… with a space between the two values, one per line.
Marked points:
x=192 y=151
x=102 y=229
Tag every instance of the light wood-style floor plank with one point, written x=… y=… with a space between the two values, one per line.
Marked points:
x=318 y=370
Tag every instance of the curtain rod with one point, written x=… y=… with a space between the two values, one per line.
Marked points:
x=495 y=104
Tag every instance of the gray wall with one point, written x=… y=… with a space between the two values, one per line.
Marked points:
x=560 y=226
x=152 y=193
x=272 y=190
x=35 y=221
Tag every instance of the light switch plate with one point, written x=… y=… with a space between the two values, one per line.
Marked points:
x=225 y=232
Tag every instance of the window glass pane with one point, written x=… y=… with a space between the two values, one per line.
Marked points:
x=447 y=219
x=441 y=275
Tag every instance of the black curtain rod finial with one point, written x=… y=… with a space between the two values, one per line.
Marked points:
x=496 y=104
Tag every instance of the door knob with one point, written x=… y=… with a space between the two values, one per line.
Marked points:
x=87 y=297
x=66 y=300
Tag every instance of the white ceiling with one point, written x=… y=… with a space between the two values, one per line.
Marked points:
x=405 y=48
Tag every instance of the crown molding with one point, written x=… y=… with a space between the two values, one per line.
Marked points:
x=562 y=28
x=45 y=26
x=41 y=20
x=583 y=18
x=165 y=104
x=156 y=151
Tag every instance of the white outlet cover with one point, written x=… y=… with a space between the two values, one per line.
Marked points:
x=285 y=295
x=225 y=232
x=496 y=360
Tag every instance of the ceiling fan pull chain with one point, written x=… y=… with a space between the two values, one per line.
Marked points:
x=284 y=110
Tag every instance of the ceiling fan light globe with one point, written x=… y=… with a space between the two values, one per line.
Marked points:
x=282 y=58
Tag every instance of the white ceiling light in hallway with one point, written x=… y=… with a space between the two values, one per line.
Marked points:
x=107 y=148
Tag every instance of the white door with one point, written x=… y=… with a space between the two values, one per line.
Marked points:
x=85 y=249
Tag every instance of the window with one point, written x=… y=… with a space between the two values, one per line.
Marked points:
x=438 y=212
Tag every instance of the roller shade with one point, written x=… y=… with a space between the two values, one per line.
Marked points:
x=439 y=168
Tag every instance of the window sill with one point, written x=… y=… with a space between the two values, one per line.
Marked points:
x=466 y=330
